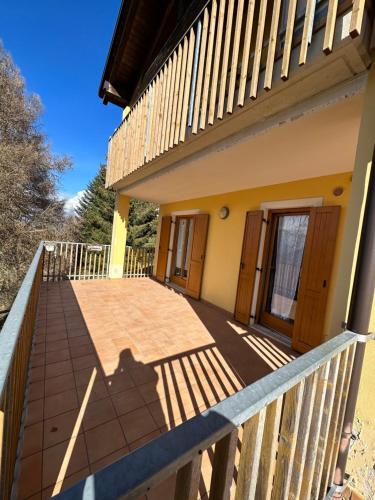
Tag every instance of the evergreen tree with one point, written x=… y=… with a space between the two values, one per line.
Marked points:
x=95 y=216
x=143 y=217
x=95 y=211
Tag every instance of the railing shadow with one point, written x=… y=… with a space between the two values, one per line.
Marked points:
x=94 y=399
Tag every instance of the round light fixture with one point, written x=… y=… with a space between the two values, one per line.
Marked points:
x=223 y=212
x=338 y=191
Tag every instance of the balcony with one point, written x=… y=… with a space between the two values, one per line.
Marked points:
x=151 y=392
x=236 y=65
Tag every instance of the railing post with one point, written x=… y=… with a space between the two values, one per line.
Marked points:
x=359 y=319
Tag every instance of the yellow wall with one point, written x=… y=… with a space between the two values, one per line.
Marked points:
x=119 y=231
x=225 y=236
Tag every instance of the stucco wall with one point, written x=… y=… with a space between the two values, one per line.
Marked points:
x=225 y=236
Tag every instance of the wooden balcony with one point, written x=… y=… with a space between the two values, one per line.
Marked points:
x=235 y=53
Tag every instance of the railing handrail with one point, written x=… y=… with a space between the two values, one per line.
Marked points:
x=13 y=324
x=149 y=465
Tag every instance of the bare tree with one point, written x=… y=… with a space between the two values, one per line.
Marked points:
x=30 y=208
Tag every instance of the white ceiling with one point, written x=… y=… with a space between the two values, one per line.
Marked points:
x=317 y=144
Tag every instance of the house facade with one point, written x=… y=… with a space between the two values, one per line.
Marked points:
x=251 y=124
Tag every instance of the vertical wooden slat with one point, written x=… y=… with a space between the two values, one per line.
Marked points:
x=165 y=104
x=339 y=403
x=272 y=44
x=330 y=26
x=154 y=123
x=246 y=52
x=223 y=466
x=185 y=46
x=177 y=91
x=161 y=109
x=288 y=440
x=258 y=49
x=288 y=39
x=307 y=30
x=170 y=101
x=217 y=59
x=236 y=46
x=269 y=448
x=224 y=67
x=187 y=85
x=357 y=17
x=202 y=54
x=326 y=418
x=251 y=448
x=208 y=65
x=303 y=436
x=187 y=481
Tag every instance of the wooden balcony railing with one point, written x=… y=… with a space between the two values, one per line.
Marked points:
x=216 y=67
x=276 y=438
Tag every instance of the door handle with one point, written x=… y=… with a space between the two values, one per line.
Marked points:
x=324 y=283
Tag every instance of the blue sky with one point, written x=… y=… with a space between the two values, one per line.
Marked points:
x=60 y=48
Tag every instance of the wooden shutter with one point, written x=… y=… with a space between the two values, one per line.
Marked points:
x=197 y=255
x=165 y=232
x=249 y=259
x=315 y=277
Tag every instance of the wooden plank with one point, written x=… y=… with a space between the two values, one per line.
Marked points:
x=324 y=428
x=288 y=39
x=177 y=91
x=224 y=67
x=246 y=52
x=303 y=435
x=307 y=30
x=187 y=85
x=236 y=46
x=335 y=426
x=357 y=17
x=216 y=64
x=269 y=450
x=272 y=44
x=202 y=57
x=223 y=466
x=161 y=110
x=330 y=26
x=154 y=122
x=187 y=481
x=208 y=66
x=170 y=102
x=258 y=49
x=182 y=90
x=288 y=440
x=150 y=119
x=251 y=449
x=165 y=104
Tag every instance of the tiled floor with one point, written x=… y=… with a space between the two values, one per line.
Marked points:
x=116 y=363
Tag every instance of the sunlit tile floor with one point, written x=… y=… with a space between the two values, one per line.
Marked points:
x=115 y=364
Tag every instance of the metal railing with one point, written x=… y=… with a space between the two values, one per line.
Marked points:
x=15 y=345
x=65 y=260
x=277 y=438
x=224 y=60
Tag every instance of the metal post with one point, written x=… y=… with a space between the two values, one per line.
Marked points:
x=359 y=319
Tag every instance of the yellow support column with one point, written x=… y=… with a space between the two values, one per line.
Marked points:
x=119 y=231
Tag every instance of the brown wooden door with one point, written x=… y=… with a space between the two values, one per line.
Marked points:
x=315 y=278
x=197 y=255
x=165 y=232
x=249 y=258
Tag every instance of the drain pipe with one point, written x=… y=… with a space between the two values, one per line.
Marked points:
x=358 y=322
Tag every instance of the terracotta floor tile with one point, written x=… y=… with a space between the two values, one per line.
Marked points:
x=100 y=464
x=37 y=360
x=56 y=458
x=88 y=361
x=37 y=373
x=60 y=403
x=128 y=400
x=32 y=439
x=97 y=413
x=98 y=391
x=34 y=412
x=104 y=440
x=119 y=383
x=137 y=424
x=60 y=428
x=30 y=478
x=144 y=440
x=56 y=345
x=66 y=483
x=81 y=350
x=56 y=356
x=59 y=384
x=79 y=341
x=60 y=368
x=36 y=390
x=82 y=377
